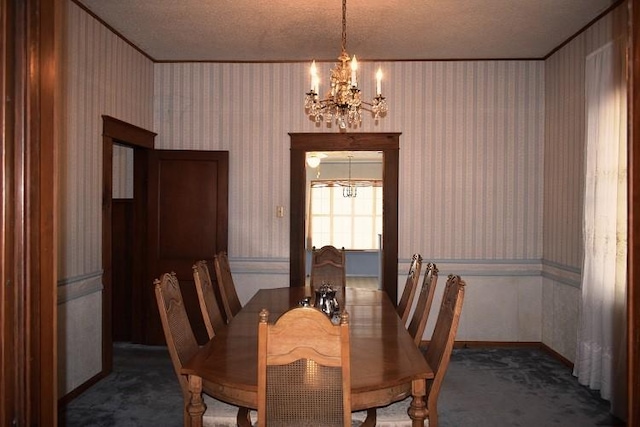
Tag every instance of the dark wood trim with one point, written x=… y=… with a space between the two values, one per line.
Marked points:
x=43 y=263
x=389 y=145
x=633 y=278
x=140 y=224
x=510 y=344
x=8 y=333
x=288 y=61
x=390 y=178
x=585 y=28
x=141 y=140
x=113 y=30
x=557 y=355
x=297 y=190
x=29 y=298
x=107 y=274
x=127 y=133
x=66 y=399
x=332 y=61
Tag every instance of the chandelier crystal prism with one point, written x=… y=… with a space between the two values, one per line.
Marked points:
x=342 y=102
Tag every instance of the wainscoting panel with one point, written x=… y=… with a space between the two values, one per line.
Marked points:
x=79 y=331
x=503 y=300
x=560 y=306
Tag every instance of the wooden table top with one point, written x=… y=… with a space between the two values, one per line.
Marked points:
x=384 y=358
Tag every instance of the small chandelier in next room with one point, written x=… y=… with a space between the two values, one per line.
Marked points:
x=342 y=101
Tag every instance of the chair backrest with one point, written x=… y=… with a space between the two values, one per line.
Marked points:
x=181 y=341
x=423 y=306
x=211 y=314
x=328 y=265
x=229 y=296
x=413 y=276
x=303 y=370
x=439 y=350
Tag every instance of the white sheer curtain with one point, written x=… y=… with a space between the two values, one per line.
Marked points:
x=600 y=359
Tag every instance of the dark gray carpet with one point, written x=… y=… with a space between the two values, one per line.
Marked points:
x=141 y=391
x=516 y=387
x=483 y=387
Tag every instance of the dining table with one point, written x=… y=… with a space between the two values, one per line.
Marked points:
x=386 y=365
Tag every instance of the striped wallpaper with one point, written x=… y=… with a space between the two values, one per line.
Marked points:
x=471 y=150
x=103 y=75
x=565 y=139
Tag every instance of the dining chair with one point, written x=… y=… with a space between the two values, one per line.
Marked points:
x=411 y=283
x=438 y=355
x=328 y=265
x=182 y=343
x=304 y=374
x=440 y=347
x=211 y=314
x=423 y=305
x=228 y=294
x=418 y=321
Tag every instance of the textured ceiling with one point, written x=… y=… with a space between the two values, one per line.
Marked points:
x=301 y=30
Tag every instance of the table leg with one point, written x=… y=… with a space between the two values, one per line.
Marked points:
x=418 y=409
x=195 y=407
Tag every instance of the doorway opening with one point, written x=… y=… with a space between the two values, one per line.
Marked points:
x=130 y=215
x=388 y=145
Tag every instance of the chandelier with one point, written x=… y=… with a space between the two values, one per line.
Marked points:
x=342 y=102
x=350 y=189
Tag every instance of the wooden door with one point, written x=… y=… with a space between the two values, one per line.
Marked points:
x=187 y=221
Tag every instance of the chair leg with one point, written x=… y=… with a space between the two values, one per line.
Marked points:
x=433 y=413
x=371 y=419
x=244 y=418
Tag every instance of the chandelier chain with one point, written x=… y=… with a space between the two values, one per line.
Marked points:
x=344 y=25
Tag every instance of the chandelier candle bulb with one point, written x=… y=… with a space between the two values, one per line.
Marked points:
x=354 y=69
x=379 y=82
x=314 y=77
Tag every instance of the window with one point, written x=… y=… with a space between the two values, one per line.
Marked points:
x=350 y=222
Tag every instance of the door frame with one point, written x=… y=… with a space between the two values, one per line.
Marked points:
x=116 y=131
x=389 y=145
x=29 y=62
x=633 y=262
